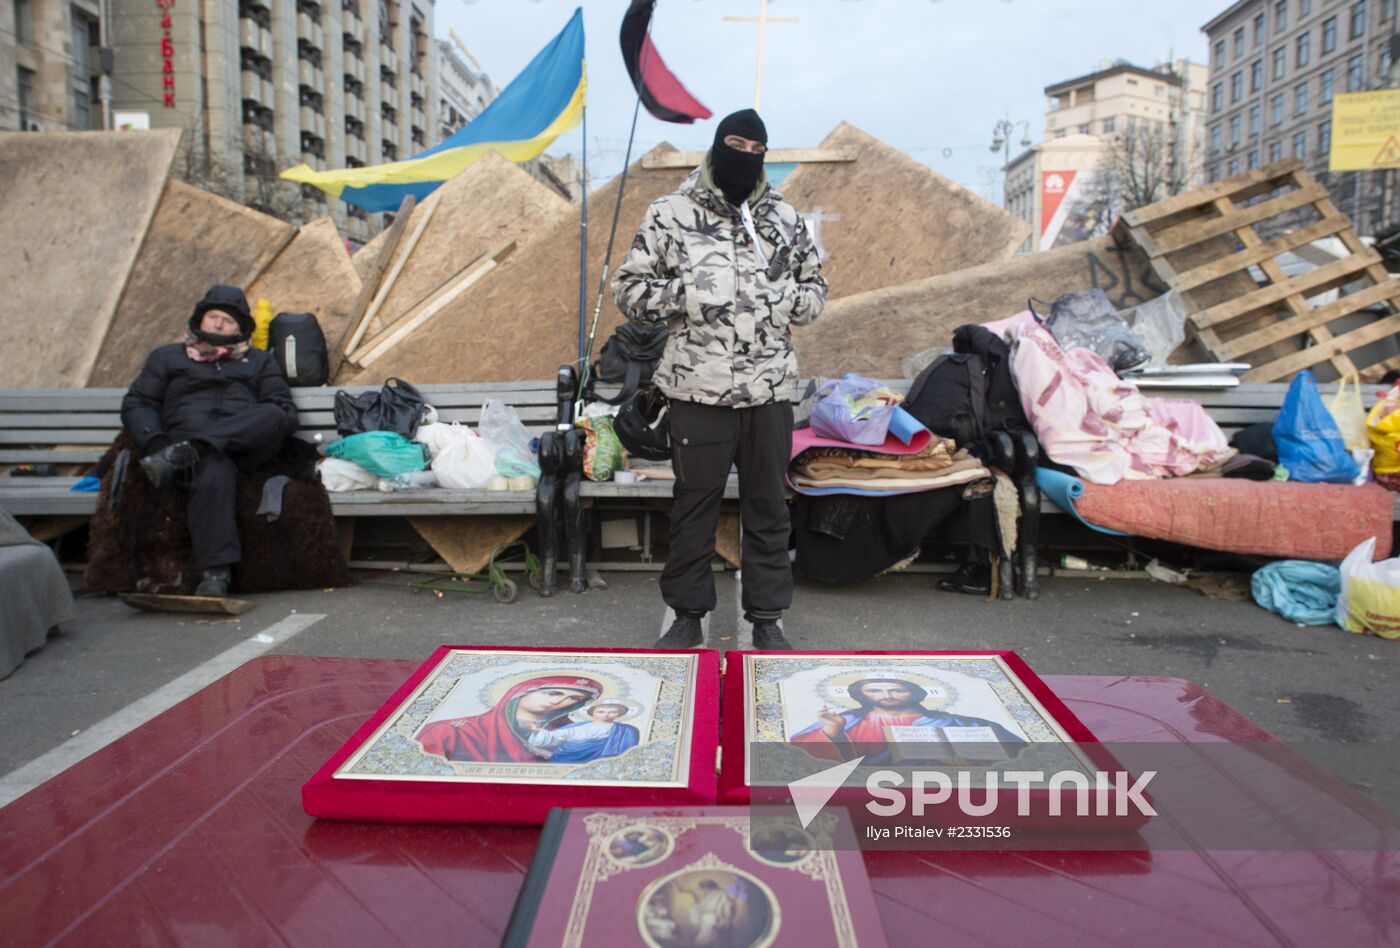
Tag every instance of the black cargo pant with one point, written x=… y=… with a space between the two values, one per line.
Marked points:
x=242 y=442
x=705 y=441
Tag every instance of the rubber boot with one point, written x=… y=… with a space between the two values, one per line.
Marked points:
x=575 y=531
x=566 y=390
x=1002 y=454
x=1028 y=537
x=547 y=513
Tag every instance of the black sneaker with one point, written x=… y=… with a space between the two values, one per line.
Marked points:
x=214 y=582
x=972 y=578
x=685 y=632
x=176 y=460
x=768 y=636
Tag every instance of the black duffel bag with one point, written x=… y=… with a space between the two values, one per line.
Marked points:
x=397 y=406
x=630 y=357
x=299 y=345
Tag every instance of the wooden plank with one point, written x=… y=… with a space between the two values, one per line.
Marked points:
x=391 y=278
x=1287 y=366
x=52 y=456
x=1251 y=342
x=1191 y=233
x=1197 y=197
x=66 y=436
x=205 y=605
x=1313 y=282
x=419 y=317
x=59 y=420
x=1225 y=266
x=370 y=286
x=690 y=159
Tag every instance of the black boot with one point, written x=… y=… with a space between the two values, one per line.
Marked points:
x=973 y=577
x=768 y=636
x=547 y=508
x=685 y=632
x=575 y=532
x=214 y=582
x=1028 y=535
x=170 y=463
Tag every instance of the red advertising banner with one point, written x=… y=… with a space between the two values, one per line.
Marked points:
x=1053 y=187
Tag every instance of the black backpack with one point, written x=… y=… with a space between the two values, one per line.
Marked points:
x=969 y=392
x=299 y=345
x=630 y=357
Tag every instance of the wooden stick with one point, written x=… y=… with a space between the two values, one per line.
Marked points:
x=371 y=284
x=387 y=285
x=416 y=319
x=689 y=159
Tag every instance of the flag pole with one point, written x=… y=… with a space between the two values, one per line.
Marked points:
x=583 y=240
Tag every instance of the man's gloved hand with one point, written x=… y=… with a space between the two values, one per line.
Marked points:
x=158 y=443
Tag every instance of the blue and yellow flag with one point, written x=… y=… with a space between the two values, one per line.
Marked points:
x=542 y=103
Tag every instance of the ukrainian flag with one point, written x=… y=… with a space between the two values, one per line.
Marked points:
x=542 y=103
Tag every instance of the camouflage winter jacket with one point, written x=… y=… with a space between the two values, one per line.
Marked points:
x=693 y=265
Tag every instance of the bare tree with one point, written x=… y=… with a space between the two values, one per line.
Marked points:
x=1144 y=164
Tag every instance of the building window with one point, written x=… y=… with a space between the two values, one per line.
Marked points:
x=1304 y=49
x=1259 y=29
x=1300 y=144
x=1132 y=124
x=1275 y=151
x=1324 y=137
x=1253 y=159
x=1084 y=129
x=1304 y=8
x=1276 y=110
x=1234 y=167
x=1217 y=97
x=1219 y=50
x=1239 y=42
x=1214 y=173
x=1300 y=99
x=1215 y=138
x=1236 y=86
x=24 y=23
x=1280 y=62
x=1108 y=126
x=1355 y=73
x=1234 y=130
x=1325 y=82
x=28 y=118
x=1383 y=66
x=1329 y=35
x=1256 y=75
x=1387 y=10
x=1254 y=120
x=1358 y=20
x=1280 y=16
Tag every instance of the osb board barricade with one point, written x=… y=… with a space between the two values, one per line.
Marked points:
x=521 y=323
x=312 y=275
x=466 y=543
x=489 y=204
x=896 y=218
x=196 y=240
x=874 y=333
x=74 y=209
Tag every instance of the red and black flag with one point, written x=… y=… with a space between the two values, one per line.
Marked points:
x=661 y=92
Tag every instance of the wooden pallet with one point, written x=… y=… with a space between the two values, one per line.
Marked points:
x=1276 y=317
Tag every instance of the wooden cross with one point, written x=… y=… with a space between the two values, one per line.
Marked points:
x=763 y=19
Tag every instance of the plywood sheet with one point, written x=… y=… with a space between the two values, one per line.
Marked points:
x=873 y=333
x=489 y=204
x=74 y=209
x=312 y=275
x=522 y=322
x=898 y=219
x=195 y=241
x=465 y=543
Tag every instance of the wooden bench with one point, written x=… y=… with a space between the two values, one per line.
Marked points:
x=74 y=427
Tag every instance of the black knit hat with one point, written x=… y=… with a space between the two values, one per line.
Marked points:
x=231 y=300
x=745 y=123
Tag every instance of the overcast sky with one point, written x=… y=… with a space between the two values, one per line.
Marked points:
x=930 y=77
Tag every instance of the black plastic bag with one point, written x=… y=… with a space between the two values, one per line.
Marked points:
x=397 y=406
x=643 y=425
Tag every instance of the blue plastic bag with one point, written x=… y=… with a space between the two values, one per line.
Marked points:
x=839 y=413
x=1299 y=590
x=384 y=454
x=1309 y=442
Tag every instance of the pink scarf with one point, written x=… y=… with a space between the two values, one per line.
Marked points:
x=194 y=348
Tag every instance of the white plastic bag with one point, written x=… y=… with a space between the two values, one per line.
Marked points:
x=508 y=439
x=338 y=475
x=461 y=458
x=1370 y=600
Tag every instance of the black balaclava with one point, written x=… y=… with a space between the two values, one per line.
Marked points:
x=231 y=300
x=736 y=173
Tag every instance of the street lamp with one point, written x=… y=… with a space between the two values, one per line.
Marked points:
x=1001 y=141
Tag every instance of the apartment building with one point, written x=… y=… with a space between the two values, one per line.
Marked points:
x=1275 y=66
x=464 y=90
x=262 y=85
x=51 y=66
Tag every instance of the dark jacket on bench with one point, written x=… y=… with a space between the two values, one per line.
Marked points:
x=175 y=397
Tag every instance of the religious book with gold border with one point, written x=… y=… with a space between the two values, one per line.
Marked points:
x=502 y=735
x=693 y=876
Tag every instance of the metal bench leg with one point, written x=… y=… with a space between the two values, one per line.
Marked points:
x=1028 y=536
x=547 y=508
x=575 y=531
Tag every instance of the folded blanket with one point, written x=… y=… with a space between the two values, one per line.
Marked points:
x=973 y=472
x=826 y=470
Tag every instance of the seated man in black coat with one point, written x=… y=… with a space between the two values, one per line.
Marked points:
x=201 y=411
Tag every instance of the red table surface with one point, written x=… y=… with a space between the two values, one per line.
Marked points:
x=189 y=830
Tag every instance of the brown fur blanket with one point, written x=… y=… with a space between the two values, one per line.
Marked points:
x=142 y=543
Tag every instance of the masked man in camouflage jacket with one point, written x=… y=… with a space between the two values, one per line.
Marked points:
x=730 y=266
